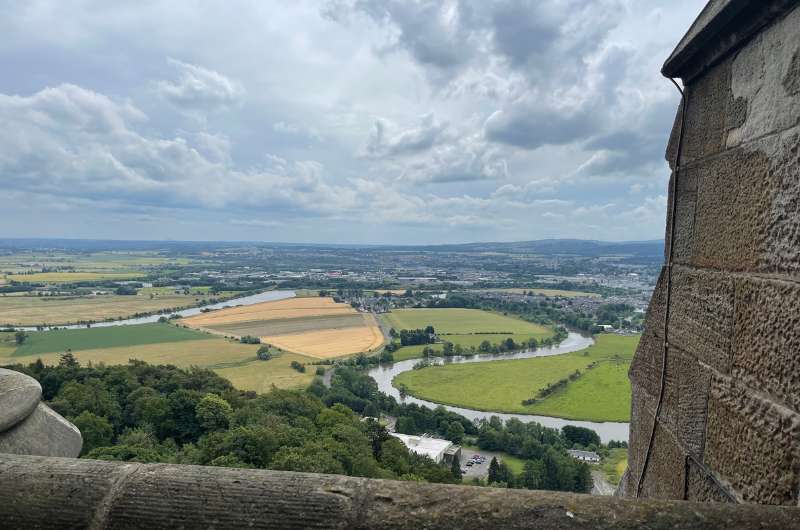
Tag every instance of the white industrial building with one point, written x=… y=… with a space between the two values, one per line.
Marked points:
x=436 y=449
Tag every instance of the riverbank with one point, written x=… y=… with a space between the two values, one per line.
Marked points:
x=383 y=376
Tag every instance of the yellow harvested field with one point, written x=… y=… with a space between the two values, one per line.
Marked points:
x=232 y=360
x=280 y=309
x=34 y=310
x=318 y=327
x=329 y=343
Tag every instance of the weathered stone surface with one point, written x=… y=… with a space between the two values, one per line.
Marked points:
x=766 y=74
x=704 y=128
x=701 y=487
x=65 y=493
x=19 y=395
x=701 y=316
x=693 y=382
x=732 y=196
x=43 y=432
x=665 y=478
x=753 y=444
x=779 y=223
x=766 y=352
x=683 y=241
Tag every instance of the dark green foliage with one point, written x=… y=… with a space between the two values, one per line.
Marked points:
x=410 y=337
x=20 y=337
x=550 y=468
x=298 y=366
x=145 y=413
x=248 y=339
x=264 y=353
x=581 y=436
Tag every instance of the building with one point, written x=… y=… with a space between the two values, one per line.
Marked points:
x=436 y=449
x=584 y=456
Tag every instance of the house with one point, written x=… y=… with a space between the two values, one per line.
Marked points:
x=436 y=449
x=584 y=456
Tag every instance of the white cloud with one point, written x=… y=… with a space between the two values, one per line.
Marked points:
x=199 y=89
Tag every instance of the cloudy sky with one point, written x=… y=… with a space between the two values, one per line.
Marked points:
x=341 y=121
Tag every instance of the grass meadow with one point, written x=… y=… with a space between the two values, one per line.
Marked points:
x=108 y=337
x=68 y=277
x=467 y=327
x=600 y=394
x=162 y=344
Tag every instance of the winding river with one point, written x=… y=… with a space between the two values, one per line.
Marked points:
x=383 y=375
x=267 y=296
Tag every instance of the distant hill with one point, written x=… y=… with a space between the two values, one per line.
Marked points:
x=563 y=247
x=546 y=247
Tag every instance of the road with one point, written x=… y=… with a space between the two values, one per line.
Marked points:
x=601 y=485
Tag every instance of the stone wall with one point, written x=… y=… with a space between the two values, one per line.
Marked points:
x=729 y=425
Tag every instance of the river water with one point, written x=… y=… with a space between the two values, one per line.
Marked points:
x=267 y=296
x=383 y=375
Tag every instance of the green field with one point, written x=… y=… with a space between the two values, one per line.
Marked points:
x=89 y=339
x=467 y=327
x=600 y=394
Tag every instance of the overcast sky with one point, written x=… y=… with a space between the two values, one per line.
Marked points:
x=341 y=121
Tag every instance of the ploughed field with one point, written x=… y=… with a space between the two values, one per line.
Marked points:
x=466 y=327
x=316 y=326
x=599 y=393
x=161 y=344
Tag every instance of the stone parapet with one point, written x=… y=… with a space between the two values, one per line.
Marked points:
x=67 y=493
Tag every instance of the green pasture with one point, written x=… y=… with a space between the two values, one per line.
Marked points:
x=109 y=337
x=461 y=321
x=600 y=394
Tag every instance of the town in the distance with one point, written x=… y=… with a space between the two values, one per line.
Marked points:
x=502 y=364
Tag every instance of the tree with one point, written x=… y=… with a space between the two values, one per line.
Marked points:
x=494 y=471
x=263 y=353
x=580 y=435
x=532 y=475
x=95 y=430
x=455 y=432
x=20 y=337
x=213 y=413
x=447 y=349
x=455 y=467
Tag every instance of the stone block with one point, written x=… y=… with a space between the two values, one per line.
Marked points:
x=701 y=487
x=693 y=387
x=765 y=75
x=731 y=198
x=43 y=433
x=683 y=239
x=707 y=101
x=766 y=351
x=745 y=217
x=19 y=396
x=778 y=224
x=701 y=316
x=645 y=370
x=752 y=444
x=665 y=474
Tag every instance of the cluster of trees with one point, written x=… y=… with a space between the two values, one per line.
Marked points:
x=300 y=367
x=547 y=466
x=249 y=339
x=145 y=413
x=264 y=353
x=411 y=337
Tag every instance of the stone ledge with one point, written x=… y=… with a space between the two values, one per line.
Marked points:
x=62 y=492
x=722 y=26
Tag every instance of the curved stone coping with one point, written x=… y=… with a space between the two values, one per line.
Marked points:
x=28 y=426
x=61 y=492
x=19 y=396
